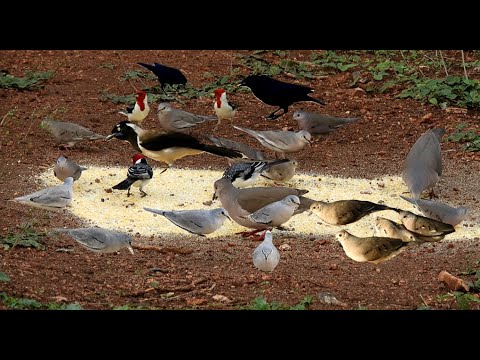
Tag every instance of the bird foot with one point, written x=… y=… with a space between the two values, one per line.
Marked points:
x=143 y=194
x=432 y=194
x=248 y=233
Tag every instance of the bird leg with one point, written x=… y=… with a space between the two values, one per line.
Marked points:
x=272 y=116
x=143 y=193
x=216 y=126
x=128 y=192
x=249 y=233
x=432 y=194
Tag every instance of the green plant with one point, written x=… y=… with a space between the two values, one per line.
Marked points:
x=449 y=91
x=260 y=303
x=10 y=113
x=109 y=66
x=464 y=300
x=27 y=237
x=471 y=138
x=136 y=74
x=31 y=80
x=4 y=277
x=25 y=303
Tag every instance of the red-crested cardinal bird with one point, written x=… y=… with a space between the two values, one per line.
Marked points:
x=140 y=110
x=223 y=108
x=139 y=175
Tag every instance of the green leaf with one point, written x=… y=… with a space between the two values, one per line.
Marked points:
x=4 y=277
x=433 y=101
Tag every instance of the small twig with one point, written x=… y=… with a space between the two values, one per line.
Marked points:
x=314 y=283
x=31 y=123
x=424 y=302
x=443 y=62
x=125 y=70
x=464 y=67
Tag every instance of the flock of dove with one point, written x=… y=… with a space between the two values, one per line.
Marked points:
x=259 y=209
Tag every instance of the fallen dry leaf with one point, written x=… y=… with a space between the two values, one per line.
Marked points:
x=452 y=282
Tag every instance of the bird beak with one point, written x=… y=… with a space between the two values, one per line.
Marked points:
x=228 y=217
x=130 y=249
x=109 y=137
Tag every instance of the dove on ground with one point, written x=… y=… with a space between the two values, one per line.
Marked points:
x=280 y=141
x=243 y=174
x=240 y=203
x=319 y=124
x=266 y=256
x=281 y=172
x=344 y=212
x=423 y=165
x=276 y=213
x=64 y=167
x=369 y=249
x=440 y=211
x=176 y=120
x=199 y=222
x=424 y=226
x=99 y=240
x=51 y=198
x=245 y=149
x=68 y=133
x=388 y=228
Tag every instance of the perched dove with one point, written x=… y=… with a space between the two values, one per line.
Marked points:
x=176 y=120
x=439 y=211
x=68 y=134
x=318 y=124
x=243 y=174
x=280 y=141
x=282 y=172
x=423 y=165
x=344 y=212
x=423 y=225
x=371 y=249
x=51 y=198
x=240 y=203
x=389 y=228
x=276 y=213
x=245 y=149
x=66 y=167
x=199 y=222
x=266 y=256
x=99 y=240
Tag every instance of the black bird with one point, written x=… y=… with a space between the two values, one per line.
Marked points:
x=138 y=175
x=166 y=74
x=165 y=147
x=278 y=93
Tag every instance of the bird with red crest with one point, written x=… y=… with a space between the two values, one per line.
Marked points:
x=139 y=111
x=223 y=108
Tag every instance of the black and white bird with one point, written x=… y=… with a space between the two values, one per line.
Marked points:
x=140 y=110
x=139 y=175
x=223 y=108
x=243 y=174
x=278 y=93
x=166 y=75
x=165 y=147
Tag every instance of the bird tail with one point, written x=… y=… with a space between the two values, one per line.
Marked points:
x=222 y=151
x=124 y=185
x=318 y=101
x=156 y=211
x=248 y=131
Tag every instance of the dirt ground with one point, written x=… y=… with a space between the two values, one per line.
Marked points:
x=184 y=276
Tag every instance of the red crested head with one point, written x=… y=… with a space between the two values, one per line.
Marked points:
x=218 y=93
x=141 y=95
x=137 y=157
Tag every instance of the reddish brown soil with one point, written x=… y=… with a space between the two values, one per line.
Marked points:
x=374 y=146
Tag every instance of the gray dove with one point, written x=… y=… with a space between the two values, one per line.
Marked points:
x=199 y=222
x=344 y=212
x=65 y=167
x=282 y=172
x=280 y=141
x=369 y=249
x=176 y=120
x=99 y=240
x=240 y=203
x=276 y=213
x=266 y=256
x=389 y=228
x=423 y=165
x=439 y=211
x=243 y=174
x=50 y=198
x=423 y=225
x=318 y=124
x=68 y=133
x=245 y=149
